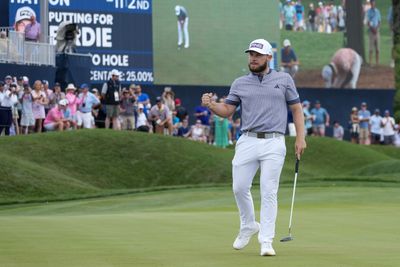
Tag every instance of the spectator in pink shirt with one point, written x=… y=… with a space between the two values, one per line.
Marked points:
x=73 y=102
x=344 y=69
x=55 y=118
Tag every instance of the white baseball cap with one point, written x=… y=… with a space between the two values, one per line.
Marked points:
x=260 y=46
x=140 y=106
x=114 y=72
x=24 y=12
x=286 y=43
x=63 y=102
x=177 y=10
x=70 y=86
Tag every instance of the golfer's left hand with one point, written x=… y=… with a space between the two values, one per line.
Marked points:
x=299 y=146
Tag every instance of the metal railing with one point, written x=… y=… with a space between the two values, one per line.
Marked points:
x=14 y=49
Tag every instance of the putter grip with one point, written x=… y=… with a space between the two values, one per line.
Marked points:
x=297 y=166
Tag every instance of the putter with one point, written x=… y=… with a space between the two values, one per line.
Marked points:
x=290 y=238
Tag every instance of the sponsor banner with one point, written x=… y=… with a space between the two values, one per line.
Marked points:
x=117 y=33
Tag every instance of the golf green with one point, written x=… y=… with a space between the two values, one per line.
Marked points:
x=333 y=226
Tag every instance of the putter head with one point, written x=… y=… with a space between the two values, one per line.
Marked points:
x=286 y=239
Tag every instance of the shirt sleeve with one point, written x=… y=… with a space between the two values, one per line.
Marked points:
x=104 y=89
x=233 y=96
x=291 y=95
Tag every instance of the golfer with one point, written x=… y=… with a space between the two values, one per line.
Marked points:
x=263 y=95
x=183 y=23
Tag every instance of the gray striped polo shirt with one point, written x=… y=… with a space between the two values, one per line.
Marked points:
x=263 y=100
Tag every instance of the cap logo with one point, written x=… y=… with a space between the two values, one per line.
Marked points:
x=257 y=45
x=24 y=13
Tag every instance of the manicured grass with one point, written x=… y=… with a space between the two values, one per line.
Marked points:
x=333 y=226
x=71 y=165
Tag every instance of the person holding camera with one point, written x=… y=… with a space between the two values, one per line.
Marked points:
x=8 y=98
x=87 y=102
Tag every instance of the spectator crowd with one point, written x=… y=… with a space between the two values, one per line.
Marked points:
x=363 y=127
x=25 y=110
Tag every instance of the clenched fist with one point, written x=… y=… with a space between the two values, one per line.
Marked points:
x=206 y=99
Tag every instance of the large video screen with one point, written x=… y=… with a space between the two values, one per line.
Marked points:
x=201 y=42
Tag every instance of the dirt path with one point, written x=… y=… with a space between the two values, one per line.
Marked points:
x=381 y=77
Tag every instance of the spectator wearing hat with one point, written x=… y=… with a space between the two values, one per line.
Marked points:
x=355 y=125
x=39 y=101
x=388 y=125
x=20 y=90
x=160 y=116
x=56 y=96
x=142 y=123
x=127 y=110
x=7 y=82
x=364 y=116
x=87 y=102
x=376 y=129
x=321 y=119
x=180 y=111
x=344 y=69
x=168 y=97
x=55 y=120
x=308 y=117
x=27 y=119
x=289 y=62
x=111 y=93
x=73 y=102
x=8 y=99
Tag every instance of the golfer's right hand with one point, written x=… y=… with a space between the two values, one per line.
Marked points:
x=206 y=99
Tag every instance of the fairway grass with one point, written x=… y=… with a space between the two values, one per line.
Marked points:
x=333 y=226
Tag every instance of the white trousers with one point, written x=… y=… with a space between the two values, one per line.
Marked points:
x=250 y=154
x=183 y=33
x=85 y=119
x=355 y=69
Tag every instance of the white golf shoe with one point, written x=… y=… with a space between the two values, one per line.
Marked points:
x=267 y=249
x=243 y=239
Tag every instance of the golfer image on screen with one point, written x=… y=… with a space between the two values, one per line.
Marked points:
x=264 y=95
x=183 y=23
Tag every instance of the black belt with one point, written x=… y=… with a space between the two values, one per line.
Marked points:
x=263 y=135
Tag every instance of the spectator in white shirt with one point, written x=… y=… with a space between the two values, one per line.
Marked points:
x=8 y=98
x=388 y=125
x=376 y=129
x=338 y=131
x=142 y=124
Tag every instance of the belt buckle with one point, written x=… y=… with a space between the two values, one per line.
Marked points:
x=260 y=135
